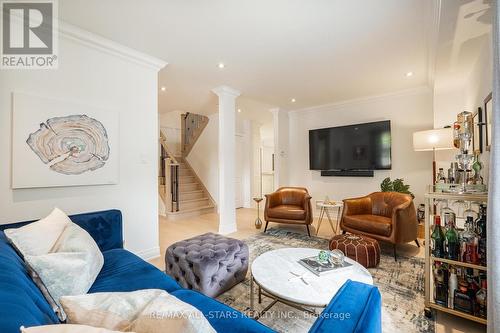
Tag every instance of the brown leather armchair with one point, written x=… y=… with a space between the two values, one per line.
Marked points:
x=386 y=216
x=290 y=205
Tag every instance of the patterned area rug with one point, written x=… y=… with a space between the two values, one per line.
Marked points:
x=401 y=284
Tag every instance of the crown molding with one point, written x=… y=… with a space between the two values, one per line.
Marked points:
x=406 y=92
x=108 y=46
x=225 y=90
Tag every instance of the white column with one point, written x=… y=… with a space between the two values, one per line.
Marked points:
x=280 y=124
x=227 y=131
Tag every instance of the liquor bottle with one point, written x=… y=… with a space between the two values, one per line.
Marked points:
x=453 y=173
x=437 y=239
x=481 y=233
x=440 y=284
x=481 y=300
x=462 y=301
x=440 y=178
x=477 y=166
x=452 y=246
x=468 y=242
x=452 y=286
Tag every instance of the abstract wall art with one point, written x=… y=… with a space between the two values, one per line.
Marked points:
x=71 y=145
x=58 y=143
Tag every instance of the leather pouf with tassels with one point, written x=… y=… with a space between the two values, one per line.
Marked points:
x=362 y=249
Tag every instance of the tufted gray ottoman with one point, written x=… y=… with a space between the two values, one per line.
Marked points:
x=209 y=263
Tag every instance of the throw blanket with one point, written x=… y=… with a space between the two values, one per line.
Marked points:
x=143 y=311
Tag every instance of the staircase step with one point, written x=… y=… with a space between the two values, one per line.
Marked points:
x=189 y=187
x=190 y=212
x=189 y=195
x=194 y=203
x=185 y=172
x=187 y=179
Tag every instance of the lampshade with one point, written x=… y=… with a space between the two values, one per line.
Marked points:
x=436 y=139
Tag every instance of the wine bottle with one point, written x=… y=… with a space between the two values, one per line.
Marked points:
x=481 y=301
x=481 y=233
x=452 y=246
x=437 y=239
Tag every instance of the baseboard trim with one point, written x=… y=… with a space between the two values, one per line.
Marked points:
x=149 y=253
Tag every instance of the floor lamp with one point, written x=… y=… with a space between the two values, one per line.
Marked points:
x=432 y=140
x=258 y=221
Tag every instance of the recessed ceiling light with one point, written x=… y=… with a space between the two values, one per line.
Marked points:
x=293 y=100
x=163 y=88
x=239 y=110
x=221 y=65
x=409 y=74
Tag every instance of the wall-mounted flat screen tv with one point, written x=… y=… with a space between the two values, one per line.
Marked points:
x=355 y=147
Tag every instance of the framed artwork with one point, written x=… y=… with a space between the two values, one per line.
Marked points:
x=478 y=138
x=488 y=113
x=57 y=143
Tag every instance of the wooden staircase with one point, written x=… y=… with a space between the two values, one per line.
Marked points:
x=183 y=193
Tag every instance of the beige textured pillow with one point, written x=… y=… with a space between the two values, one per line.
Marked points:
x=68 y=328
x=70 y=268
x=142 y=311
x=38 y=237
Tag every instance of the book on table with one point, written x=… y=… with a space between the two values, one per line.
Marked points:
x=320 y=267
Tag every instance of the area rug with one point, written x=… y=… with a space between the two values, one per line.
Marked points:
x=401 y=284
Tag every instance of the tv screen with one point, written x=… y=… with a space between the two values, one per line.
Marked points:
x=354 y=147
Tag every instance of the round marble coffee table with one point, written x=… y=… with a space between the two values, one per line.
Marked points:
x=279 y=276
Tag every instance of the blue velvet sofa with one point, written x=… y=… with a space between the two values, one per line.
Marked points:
x=355 y=308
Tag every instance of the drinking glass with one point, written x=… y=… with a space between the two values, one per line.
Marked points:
x=461 y=206
x=445 y=209
x=470 y=212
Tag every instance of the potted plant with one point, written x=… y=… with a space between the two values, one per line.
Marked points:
x=396 y=185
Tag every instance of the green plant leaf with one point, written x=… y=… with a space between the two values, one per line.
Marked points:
x=397 y=185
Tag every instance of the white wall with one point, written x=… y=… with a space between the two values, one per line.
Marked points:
x=281 y=143
x=467 y=97
x=93 y=74
x=204 y=156
x=409 y=111
x=171 y=119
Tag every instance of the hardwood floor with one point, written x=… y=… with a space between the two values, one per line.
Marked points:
x=173 y=231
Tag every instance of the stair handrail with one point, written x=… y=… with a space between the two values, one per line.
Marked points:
x=163 y=142
x=173 y=180
x=192 y=125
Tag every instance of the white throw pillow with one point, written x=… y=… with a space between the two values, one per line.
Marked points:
x=38 y=237
x=142 y=311
x=69 y=269
x=65 y=328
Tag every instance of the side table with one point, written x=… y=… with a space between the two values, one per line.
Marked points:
x=324 y=210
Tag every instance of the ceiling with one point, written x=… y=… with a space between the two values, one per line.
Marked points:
x=316 y=51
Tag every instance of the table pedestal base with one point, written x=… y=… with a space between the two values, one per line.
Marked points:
x=275 y=299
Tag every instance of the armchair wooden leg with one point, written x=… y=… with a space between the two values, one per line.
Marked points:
x=416 y=242
x=267 y=222
x=395 y=255
x=308 y=232
x=343 y=232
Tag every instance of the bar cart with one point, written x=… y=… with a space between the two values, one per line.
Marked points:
x=432 y=198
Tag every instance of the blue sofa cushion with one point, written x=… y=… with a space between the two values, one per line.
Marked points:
x=105 y=227
x=222 y=317
x=124 y=271
x=21 y=302
x=356 y=308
